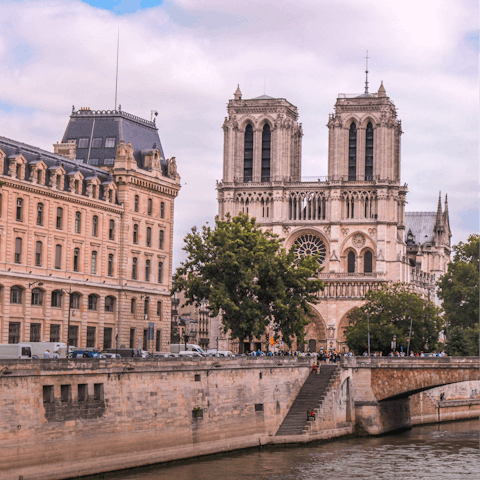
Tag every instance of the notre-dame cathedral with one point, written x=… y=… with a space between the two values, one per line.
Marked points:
x=354 y=218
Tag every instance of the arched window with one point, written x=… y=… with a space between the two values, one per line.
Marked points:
x=38 y=254
x=109 y=304
x=147 y=271
x=18 y=250
x=133 y=306
x=367 y=262
x=37 y=297
x=110 y=265
x=352 y=152
x=266 y=141
x=135 y=234
x=58 y=257
x=92 y=302
x=56 y=298
x=149 y=236
x=19 y=209
x=160 y=272
x=161 y=237
x=134 y=268
x=94 y=263
x=76 y=259
x=162 y=210
x=16 y=295
x=78 y=218
x=159 y=309
x=75 y=301
x=149 y=206
x=351 y=262
x=111 y=230
x=40 y=214
x=248 y=155
x=369 y=152
x=95 y=226
x=59 y=218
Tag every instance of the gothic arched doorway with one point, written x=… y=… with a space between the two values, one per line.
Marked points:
x=341 y=338
x=316 y=332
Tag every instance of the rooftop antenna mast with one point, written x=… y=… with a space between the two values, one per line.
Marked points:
x=116 y=76
x=366 y=74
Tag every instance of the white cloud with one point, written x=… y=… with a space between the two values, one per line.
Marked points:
x=185 y=59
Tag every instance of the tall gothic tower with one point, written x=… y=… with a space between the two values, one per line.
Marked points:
x=354 y=218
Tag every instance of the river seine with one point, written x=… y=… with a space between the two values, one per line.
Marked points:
x=445 y=451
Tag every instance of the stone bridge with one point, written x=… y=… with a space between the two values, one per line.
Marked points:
x=382 y=386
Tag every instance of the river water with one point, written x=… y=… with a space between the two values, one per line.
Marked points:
x=444 y=451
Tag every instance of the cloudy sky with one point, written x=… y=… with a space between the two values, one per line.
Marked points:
x=184 y=58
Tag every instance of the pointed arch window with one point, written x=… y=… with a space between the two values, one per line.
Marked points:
x=266 y=144
x=351 y=262
x=248 y=154
x=352 y=152
x=369 y=152
x=367 y=262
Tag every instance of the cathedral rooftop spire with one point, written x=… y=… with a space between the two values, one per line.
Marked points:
x=381 y=91
x=439 y=219
x=366 y=74
x=238 y=93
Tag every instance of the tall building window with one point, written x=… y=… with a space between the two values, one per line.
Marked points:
x=18 y=250
x=13 y=332
x=110 y=265
x=92 y=302
x=109 y=304
x=16 y=295
x=75 y=301
x=95 y=226
x=160 y=272
x=133 y=306
x=37 y=298
x=135 y=234
x=58 y=257
x=134 y=268
x=38 y=254
x=73 y=335
x=59 y=218
x=149 y=206
x=111 y=230
x=147 y=271
x=54 y=333
x=159 y=309
x=136 y=203
x=352 y=152
x=351 y=262
x=91 y=337
x=19 y=209
x=162 y=210
x=146 y=306
x=107 y=337
x=132 y=338
x=76 y=255
x=56 y=298
x=369 y=152
x=367 y=262
x=40 y=214
x=248 y=154
x=149 y=236
x=161 y=237
x=266 y=142
x=78 y=219
x=35 y=329
x=94 y=263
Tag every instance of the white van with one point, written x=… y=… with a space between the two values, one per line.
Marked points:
x=16 y=350
x=180 y=347
x=39 y=348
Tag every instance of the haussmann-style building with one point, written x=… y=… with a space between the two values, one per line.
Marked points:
x=86 y=235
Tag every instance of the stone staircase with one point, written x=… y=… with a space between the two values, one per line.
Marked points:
x=311 y=395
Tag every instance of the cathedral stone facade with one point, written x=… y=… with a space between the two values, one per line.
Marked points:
x=354 y=218
x=86 y=235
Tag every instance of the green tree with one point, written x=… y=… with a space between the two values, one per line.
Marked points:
x=245 y=274
x=391 y=309
x=458 y=288
x=463 y=341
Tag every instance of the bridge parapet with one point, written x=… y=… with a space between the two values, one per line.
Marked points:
x=411 y=362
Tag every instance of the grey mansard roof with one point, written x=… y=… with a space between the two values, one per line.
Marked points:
x=34 y=155
x=422 y=225
x=113 y=124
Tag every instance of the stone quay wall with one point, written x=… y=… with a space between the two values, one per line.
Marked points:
x=65 y=418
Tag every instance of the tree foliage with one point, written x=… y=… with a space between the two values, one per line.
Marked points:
x=458 y=288
x=245 y=274
x=391 y=309
x=463 y=341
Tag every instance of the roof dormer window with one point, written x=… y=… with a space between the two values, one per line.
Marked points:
x=97 y=142
x=82 y=143
x=110 y=142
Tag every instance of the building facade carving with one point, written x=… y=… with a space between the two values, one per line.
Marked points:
x=354 y=217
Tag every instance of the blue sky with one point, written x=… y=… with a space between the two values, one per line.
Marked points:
x=121 y=7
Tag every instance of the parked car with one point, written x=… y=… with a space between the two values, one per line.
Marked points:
x=110 y=355
x=124 y=352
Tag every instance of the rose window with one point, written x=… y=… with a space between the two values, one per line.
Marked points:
x=310 y=245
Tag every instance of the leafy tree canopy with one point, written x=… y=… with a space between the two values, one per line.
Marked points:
x=463 y=341
x=458 y=288
x=391 y=309
x=245 y=274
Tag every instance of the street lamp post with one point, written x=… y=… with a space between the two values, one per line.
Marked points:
x=68 y=323
x=394 y=344
x=409 y=336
